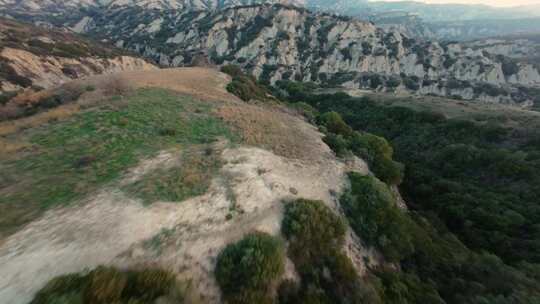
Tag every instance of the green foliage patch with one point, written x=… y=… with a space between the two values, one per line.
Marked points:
x=316 y=238
x=374 y=215
x=105 y=285
x=244 y=86
x=247 y=271
x=471 y=189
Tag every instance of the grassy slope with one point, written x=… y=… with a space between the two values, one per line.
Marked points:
x=70 y=159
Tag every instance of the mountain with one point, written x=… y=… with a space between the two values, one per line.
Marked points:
x=178 y=186
x=263 y=182
x=483 y=28
x=439 y=21
x=283 y=42
x=58 y=6
x=280 y=42
x=428 y=12
x=33 y=56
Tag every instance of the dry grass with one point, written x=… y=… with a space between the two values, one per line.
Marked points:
x=202 y=83
x=269 y=128
x=115 y=85
x=8 y=146
x=59 y=113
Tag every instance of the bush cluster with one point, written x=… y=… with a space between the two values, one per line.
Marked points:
x=105 y=285
x=316 y=237
x=374 y=149
x=374 y=215
x=244 y=86
x=247 y=271
x=341 y=137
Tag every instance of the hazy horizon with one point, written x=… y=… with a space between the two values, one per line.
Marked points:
x=496 y=3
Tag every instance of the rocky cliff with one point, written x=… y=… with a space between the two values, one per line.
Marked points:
x=30 y=56
x=282 y=42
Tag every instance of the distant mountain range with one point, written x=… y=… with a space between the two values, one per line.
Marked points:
x=281 y=42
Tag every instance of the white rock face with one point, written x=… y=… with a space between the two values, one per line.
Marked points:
x=65 y=5
x=276 y=42
x=49 y=71
x=283 y=42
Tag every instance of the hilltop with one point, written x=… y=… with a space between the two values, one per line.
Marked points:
x=209 y=170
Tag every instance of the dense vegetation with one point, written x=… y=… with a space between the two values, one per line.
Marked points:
x=244 y=86
x=373 y=213
x=247 y=270
x=316 y=238
x=472 y=235
x=105 y=285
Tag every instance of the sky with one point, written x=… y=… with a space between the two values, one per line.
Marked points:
x=500 y=3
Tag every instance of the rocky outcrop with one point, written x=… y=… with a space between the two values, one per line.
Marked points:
x=282 y=42
x=279 y=42
x=31 y=56
x=50 y=71
x=59 y=6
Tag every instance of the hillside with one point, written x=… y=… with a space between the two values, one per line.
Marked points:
x=176 y=152
x=280 y=42
x=470 y=182
x=274 y=42
x=166 y=169
x=34 y=57
x=270 y=154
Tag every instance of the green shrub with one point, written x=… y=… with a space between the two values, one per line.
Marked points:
x=66 y=286
x=411 y=83
x=393 y=82
x=247 y=270
x=232 y=70
x=509 y=67
x=370 y=147
x=304 y=109
x=6 y=97
x=247 y=89
x=378 y=153
x=337 y=143
x=244 y=86
x=150 y=284
x=316 y=238
x=313 y=230
x=372 y=211
x=335 y=124
x=110 y=285
x=105 y=285
x=389 y=171
x=399 y=287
